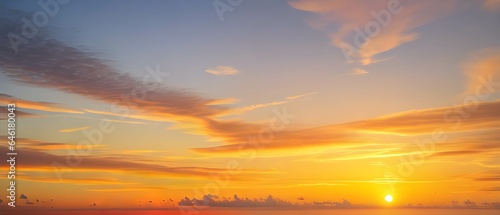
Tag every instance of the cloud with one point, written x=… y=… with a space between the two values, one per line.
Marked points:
x=475 y=116
x=43 y=106
x=483 y=177
x=128 y=189
x=262 y=105
x=223 y=70
x=256 y=106
x=47 y=62
x=83 y=181
x=483 y=75
x=4 y=111
x=40 y=145
x=469 y=203
x=213 y=201
x=38 y=160
x=455 y=153
x=343 y=204
x=224 y=101
x=490 y=176
x=492 y=5
x=368 y=28
x=359 y=72
x=245 y=137
x=69 y=130
x=124 y=121
x=52 y=64
x=494 y=189
x=269 y=201
x=300 y=96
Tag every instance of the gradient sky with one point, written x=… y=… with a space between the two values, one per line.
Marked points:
x=361 y=127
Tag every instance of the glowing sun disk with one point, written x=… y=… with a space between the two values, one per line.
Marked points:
x=388 y=198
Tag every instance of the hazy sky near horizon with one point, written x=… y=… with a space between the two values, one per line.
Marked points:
x=270 y=89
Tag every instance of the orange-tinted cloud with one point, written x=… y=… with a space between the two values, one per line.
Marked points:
x=223 y=101
x=358 y=71
x=4 y=111
x=41 y=145
x=30 y=159
x=43 y=106
x=474 y=116
x=494 y=189
x=68 y=130
x=300 y=96
x=242 y=136
x=223 y=70
x=485 y=176
x=483 y=75
x=84 y=181
x=256 y=106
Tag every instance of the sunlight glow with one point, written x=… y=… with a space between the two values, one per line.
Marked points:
x=388 y=198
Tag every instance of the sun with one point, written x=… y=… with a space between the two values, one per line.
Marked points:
x=388 y=198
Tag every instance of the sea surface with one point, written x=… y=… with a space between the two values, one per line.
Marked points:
x=261 y=211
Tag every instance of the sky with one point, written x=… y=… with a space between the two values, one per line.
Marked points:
x=129 y=104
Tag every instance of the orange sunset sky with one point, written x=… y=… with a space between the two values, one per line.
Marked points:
x=128 y=104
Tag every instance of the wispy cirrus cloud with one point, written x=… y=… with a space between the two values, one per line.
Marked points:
x=301 y=95
x=485 y=116
x=129 y=189
x=483 y=75
x=43 y=106
x=73 y=180
x=377 y=31
x=69 y=130
x=263 y=105
x=42 y=145
x=494 y=189
x=483 y=176
x=358 y=133
x=4 y=111
x=358 y=71
x=35 y=159
x=225 y=101
x=244 y=137
x=223 y=70
x=256 y=106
